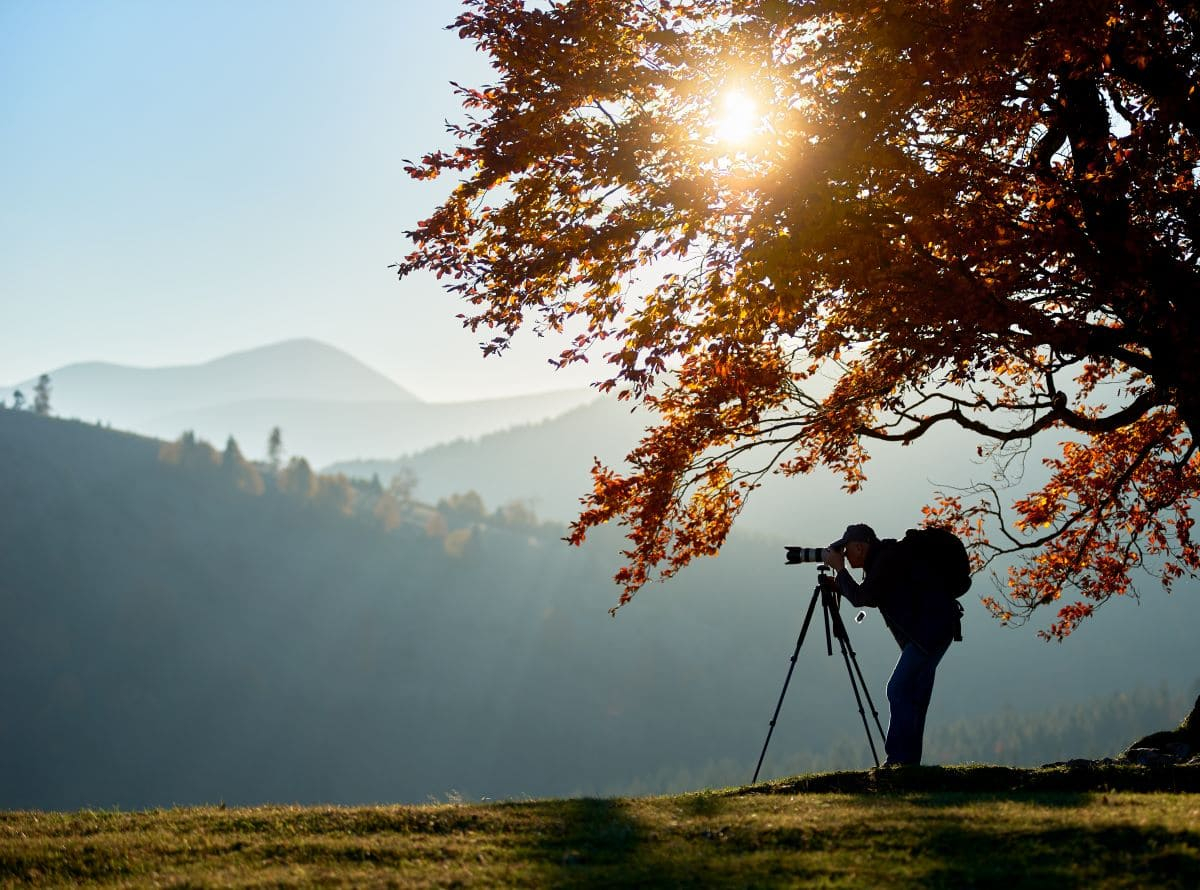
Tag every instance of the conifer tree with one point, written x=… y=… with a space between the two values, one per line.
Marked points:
x=275 y=448
x=41 y=395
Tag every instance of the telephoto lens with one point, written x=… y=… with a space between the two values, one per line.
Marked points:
x=797 y=555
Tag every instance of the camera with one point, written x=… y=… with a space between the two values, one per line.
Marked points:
x=798 y=555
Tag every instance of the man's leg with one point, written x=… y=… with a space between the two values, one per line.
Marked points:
x=908 y=692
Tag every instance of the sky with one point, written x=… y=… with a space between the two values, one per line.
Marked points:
x=187 y=179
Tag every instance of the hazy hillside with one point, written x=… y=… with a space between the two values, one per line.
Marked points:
x=326 y=432
x=547 y=465
x=169 y=638
x=174 y=636
x=544 y=464
x=329 y=405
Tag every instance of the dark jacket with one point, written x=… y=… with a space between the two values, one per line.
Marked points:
x=911 y=611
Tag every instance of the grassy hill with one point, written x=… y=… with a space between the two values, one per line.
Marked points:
x=1102 y=827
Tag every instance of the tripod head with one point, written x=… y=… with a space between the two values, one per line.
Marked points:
x=827 y=584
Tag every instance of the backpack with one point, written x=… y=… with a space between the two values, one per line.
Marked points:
x=938 y=560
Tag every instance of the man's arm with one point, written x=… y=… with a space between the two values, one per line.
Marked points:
x=876 y=588
x=858 y=594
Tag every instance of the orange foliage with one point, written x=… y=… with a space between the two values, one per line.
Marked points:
x=981 y=215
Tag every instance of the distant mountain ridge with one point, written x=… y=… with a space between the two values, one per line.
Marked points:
x=292 y=369
x=329 y=405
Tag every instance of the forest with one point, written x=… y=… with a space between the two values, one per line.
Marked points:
x=187 y=626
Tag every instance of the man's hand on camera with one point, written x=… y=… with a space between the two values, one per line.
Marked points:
x=835 y=559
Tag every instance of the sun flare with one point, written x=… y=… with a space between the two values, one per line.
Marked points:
x=735 y=118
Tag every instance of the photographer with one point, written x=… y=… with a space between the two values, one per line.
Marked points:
x=922 y=622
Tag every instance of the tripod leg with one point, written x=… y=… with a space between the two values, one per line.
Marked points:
x=874 y=712
x=851 y=661
x=799 y=642
x=845 y=636
x=858 y=699
x=828 y=639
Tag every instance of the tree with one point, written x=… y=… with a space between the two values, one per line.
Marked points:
x=334 y=494
x=190 y=453
x=965 y=213
x=275 y=447
x=240 y=473
x=18 y=400
x=402 y=485
x=463 y=510
x=41 y=396
x=298 y=480
x=517 y=514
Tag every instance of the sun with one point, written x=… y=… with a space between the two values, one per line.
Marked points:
x=735 y=118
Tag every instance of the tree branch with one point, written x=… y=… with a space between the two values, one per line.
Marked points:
x=1059 y=414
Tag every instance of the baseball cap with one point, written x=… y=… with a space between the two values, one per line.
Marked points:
x=857 y=532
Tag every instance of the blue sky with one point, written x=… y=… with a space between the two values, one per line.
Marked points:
x=181 y=180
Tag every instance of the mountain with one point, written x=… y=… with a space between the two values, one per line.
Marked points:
x=174 y=636
x=126 y=397
x=329 y=405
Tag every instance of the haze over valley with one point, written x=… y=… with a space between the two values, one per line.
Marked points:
x=189 y=623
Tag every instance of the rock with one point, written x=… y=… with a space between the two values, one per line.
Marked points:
x=1170 y=754
x=1146 y=757
x=1179 y=751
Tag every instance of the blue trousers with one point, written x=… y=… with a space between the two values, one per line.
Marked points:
x=908 y=692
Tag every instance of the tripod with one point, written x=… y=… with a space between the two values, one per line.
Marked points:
x=834 y=627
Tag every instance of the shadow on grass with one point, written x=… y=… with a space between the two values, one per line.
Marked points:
x=599 y=843
x=1059 y=858
x=702 y=803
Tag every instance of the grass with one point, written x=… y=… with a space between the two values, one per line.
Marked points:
x=927 y=827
